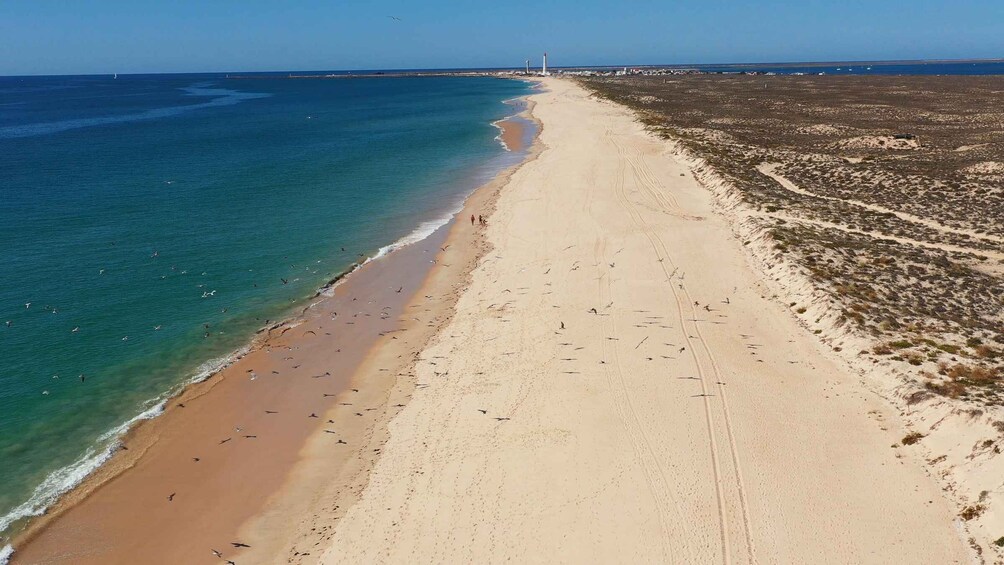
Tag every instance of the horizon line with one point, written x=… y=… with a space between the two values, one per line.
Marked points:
x=471 y=69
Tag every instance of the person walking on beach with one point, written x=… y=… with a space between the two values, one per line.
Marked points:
x=472 y=219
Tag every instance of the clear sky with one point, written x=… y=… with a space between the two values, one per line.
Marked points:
x=128 y=36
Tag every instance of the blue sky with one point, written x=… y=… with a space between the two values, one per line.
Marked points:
x=91 y=36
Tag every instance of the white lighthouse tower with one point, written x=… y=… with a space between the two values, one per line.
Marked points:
x=543 y=69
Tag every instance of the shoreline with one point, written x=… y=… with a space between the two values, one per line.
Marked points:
x=156 y=421
x=301 y=516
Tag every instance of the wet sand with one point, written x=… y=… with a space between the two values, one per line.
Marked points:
x=246 y=456
x=511 y=135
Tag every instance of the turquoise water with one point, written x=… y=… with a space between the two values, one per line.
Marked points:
x=140 y=210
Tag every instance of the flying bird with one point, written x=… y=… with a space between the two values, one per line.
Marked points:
x=395 y=18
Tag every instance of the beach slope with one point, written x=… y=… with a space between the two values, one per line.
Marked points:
x=618 y=385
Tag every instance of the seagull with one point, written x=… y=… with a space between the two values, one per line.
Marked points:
x=395 y=18
x=9 y=323
x=27 y=305
x=126 y=338
x=217 y=553
x=155 y=328
x=75 y=329
x=101 y=272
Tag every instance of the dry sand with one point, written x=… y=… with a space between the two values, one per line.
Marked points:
x=616 y=384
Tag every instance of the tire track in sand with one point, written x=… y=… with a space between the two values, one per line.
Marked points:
x=647 y=181
x=657 y=481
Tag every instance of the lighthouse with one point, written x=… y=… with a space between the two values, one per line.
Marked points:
x=543 y=70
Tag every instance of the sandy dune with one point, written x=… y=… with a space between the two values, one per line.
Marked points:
x=687 y=419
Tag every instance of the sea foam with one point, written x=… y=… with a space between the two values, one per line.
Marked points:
x=424 y=230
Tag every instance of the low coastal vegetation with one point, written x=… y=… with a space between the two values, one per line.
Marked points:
x=887 y=192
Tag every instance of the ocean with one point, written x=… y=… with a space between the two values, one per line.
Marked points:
x=151 y=224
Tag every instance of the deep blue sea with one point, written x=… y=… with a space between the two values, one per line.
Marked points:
x=148 y=223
